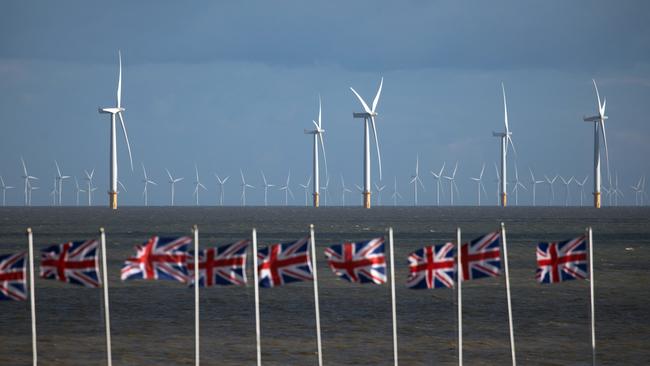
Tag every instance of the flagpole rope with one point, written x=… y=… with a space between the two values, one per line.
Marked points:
x=107 y=317
x=459 y=275
x=316 y=304
x=392 y=293
x=257 y=300
x=591 y=288
x=197 y=356
x=505 y=267
x=30 y=243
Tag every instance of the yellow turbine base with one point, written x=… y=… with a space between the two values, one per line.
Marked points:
x=112 y=200
x=366 y=199
x=597 y=199
x=504 y=199
x=316 y=200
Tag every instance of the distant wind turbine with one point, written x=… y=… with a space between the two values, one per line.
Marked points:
x=582 y=189
x=318 y=136
x=415 y=179
x=244 y=185
x=379 y=189
x=566 y=189
x=31 y=188
x=306 y=188
x=437 y=177
x=287 y=190
x=518 y=184
x=534 y=182
x=599 y=128
x=90 y=189
x=325 y=190
x=550 y=183
x=4 y=188
x=221 y=183
x=113 y=111
x=479 y=183
x=77 y=189
x=53 y=192
x=197 y=184
x=369 y=117
x=506 y=137
x=266 y=188
x=498 y=182
x=146 y=182
x=343 y=191
x=452 y=184
x=172 y=182
x=27 y=178
x=396 y=193
x=60 y=178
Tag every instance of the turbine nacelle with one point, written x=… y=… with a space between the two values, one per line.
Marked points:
x=364 y=115
x=111 y=110
x=594 y=118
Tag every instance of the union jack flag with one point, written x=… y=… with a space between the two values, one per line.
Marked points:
x=562 y=261
x=73 y=262
x=362 y=262
x=12 y=277
x=481 y=257
x=432 y=267
x=284 y=263
x=224 y=265
x=159 y=259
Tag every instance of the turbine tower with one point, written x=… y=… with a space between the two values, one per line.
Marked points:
x=89 y=178
x=306 y=188
x=566 y=189
x=221 y=183
x=437 y=177
x=60 y=178
x=146 y=182
x=53 y=192
x=599 y=128
x=534 y=182
x=287 y=190
x=479 y=182
x=197 y=185
x=343 y=191
x=582 y=189
x=415 y=179
x=318 y=135
x=243 y=188
x=113 y=111
x=78 y=189
x=368 y=117
x=518 y=184
x=325 y=189
x=550 y=182
x=379 y=188
x=452 y=184
x=506 y=137
x=27 y=177
x=173 y=182
x=396 y=193
x=267 y=186
x=4 y=191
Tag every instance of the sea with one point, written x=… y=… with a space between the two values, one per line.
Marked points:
x=153 y=321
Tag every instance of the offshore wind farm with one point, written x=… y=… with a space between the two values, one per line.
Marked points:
x=320 y=133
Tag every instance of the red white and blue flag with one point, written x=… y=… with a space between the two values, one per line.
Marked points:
x=73 y=262
x=432 y=267
x=562 y=261
x=284 y=263
x=224 y=265
x=12 y=277
x=481 y=257
x=362 y=262
x=159 y=259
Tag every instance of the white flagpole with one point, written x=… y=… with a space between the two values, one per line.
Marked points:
x=459 y=275
x=107 y=317
x=591 y=287
x=315 y=272
x=257 y=300
x=505 y=268
x=197 y=358
x=30 y=241
x=392 y=291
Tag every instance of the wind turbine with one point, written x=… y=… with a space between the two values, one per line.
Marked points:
x=243 y=188
x=318 y=135
x=379 y=188
x=343 y=190
x=173 y=182
x=31 y=188
x=4 y=191
x=437 y=177
x=599 y=128
x=113 y=111
x=550 y=182
x=325 y=189
x=534 y=182
x=221 y=183
x=54 y=192
x=146 y=182
x=506 y=137
x=452 y=184
x=368 y=117
x=77 y=189
x=566 y=189
x=197 y=184
x=517 y=185
x=287 y=190
x=306 y=188
x=636 y=189
x=90 y=190
x=498 y=182
x=27 y=177
x=396 y=194
x=479 y=182
x=60 y=178
x=582 y=189
x=415 y=179
x=267 y=186
x=617 y=192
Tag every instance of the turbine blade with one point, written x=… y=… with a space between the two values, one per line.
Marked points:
x=602 y=128
x=57 y=169
x=126 y=137
x=24 y=166
x=322 y=146
x=376 y=101
x=320 y=105
x=374 y=132
x=119 y=81
x=597 y=94
x=363 y=103
x=169 y=175
x=505 y=108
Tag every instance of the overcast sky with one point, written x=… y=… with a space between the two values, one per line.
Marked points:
x=233 y=85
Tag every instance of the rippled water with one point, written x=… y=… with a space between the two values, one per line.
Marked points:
x=153 y=322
